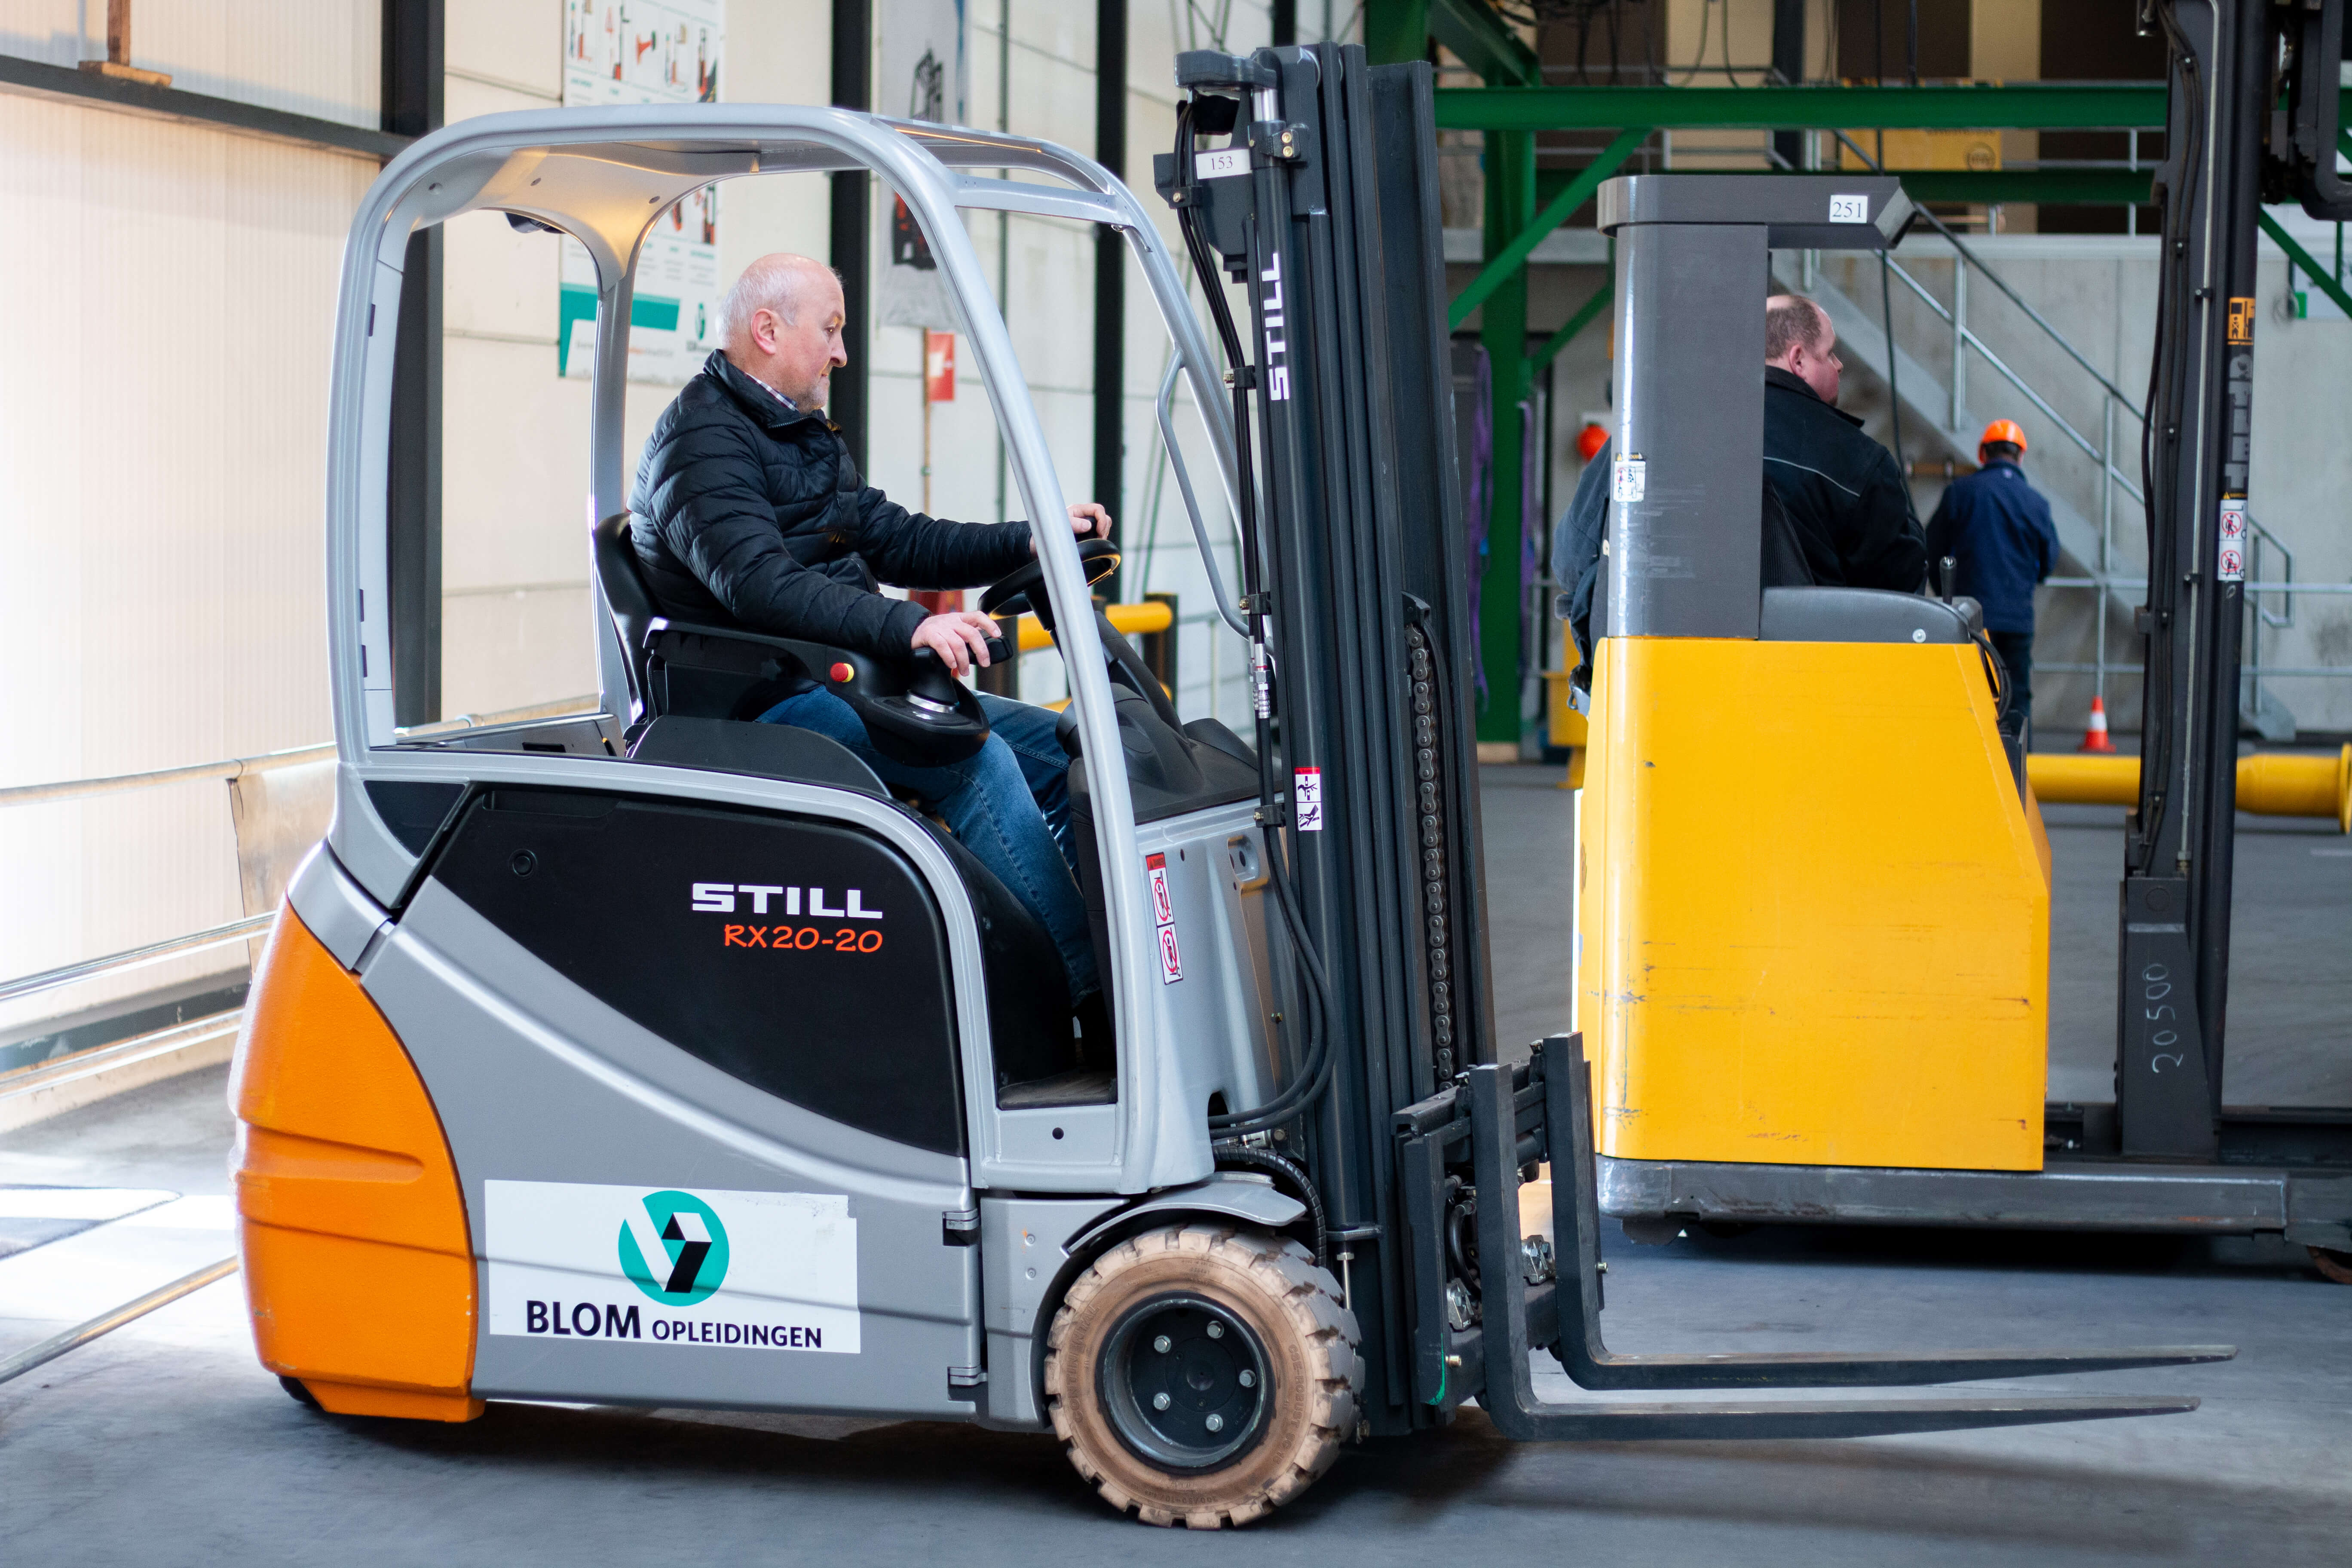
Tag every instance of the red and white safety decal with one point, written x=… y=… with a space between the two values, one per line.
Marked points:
x=1308 y=785
x=2231 y=565
x=1163 y=915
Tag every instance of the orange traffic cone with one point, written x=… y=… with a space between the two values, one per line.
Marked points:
x=2095 y=739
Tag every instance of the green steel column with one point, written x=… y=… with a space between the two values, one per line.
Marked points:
x=1396 y=31
x=1503 y=327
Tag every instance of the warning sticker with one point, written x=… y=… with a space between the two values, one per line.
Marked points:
x=1163 y=914
x=766 y=1271
x=2231 y=560
x=1306 y=784
x=1163 y=910
x=2241 y=318
x=1630 y=480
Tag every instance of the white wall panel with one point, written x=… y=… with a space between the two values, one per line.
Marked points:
x=161 y=421
x=320 y=58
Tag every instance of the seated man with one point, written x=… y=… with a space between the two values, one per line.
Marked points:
x=748 y=511
x=1845 y=498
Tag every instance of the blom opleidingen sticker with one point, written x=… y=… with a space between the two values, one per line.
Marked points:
x=763 y=1271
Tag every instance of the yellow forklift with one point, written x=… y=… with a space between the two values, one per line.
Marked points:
x=1812 y=883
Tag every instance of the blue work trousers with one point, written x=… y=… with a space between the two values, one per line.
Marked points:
x=1008 y=804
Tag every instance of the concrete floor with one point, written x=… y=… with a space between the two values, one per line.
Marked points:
x=164 y=1443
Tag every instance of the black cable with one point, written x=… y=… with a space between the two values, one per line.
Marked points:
x=1316 y=1057
x=2164 y=370
x=1289 y=1175
x=1894 y=398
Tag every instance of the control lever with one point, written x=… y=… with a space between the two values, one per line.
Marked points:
x=931 y=681
x=1947 y=569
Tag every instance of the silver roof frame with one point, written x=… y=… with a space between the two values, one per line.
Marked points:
x=604 y=175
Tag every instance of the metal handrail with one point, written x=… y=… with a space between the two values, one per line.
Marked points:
x=1969 y=335
x=240 y=767
x=1972 y=258
x=136 y=958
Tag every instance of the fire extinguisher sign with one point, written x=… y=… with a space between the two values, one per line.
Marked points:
x=1163 y=915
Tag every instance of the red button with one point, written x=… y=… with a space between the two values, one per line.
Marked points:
x=842 y=673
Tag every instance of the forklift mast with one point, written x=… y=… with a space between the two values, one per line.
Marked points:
x=2254 y=112
x=1325 y=207
x=1322 y=203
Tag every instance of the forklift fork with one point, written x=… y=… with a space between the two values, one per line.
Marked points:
x=1544 y=1110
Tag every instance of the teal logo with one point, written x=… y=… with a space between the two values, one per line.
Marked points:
x=674 y=1251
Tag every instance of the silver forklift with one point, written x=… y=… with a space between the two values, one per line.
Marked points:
x=660 y=1057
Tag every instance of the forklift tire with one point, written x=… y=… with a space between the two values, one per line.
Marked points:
x=300 y=1393
x=2332 y=1265
x=1251 y=1337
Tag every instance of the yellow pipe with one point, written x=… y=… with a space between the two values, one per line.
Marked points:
x=2270 y=784
x=1151 y=616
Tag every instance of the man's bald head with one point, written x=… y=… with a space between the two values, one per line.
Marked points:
x=1798 y=339
x=781 y=322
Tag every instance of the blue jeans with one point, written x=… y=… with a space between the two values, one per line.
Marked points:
x=1009 y=804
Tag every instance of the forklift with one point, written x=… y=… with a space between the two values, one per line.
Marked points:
x=659 y=1056
x=1816 y=980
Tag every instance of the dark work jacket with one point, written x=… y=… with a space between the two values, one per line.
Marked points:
x=749 y=512
x=1576 y=553
x=1844 y=495
x=1998 y=528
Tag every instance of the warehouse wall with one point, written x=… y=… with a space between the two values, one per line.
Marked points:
x=160 y=413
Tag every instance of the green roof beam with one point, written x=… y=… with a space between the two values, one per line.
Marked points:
x=1514 y=256
x=2302 y=258
x=1487 y=44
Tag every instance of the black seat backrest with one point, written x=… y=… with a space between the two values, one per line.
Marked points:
x=625 y=594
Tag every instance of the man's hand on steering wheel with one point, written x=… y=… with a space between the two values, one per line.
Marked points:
x=1088 y=520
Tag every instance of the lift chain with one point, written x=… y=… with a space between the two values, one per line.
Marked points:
x=1428 y=769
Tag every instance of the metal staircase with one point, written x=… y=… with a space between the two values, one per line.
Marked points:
x=1937 y=404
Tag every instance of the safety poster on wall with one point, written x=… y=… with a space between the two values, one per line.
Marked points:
x=635 y=52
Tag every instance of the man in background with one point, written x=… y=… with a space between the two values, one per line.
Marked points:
x=1997 y=529
x=1845 y=498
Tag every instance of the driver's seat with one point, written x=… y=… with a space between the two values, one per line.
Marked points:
x=679 y=669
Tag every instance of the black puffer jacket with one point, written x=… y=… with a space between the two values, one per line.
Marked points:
x=748 y=512
x=1843 y=493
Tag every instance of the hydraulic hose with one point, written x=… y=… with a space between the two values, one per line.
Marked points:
x=1288 y=1175
x=1317 y=1059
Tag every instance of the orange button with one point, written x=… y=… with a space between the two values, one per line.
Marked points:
x=842 y=673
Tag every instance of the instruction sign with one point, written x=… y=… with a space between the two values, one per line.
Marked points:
x=648 y=51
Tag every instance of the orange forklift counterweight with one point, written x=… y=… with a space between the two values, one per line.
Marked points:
x=358 y=1269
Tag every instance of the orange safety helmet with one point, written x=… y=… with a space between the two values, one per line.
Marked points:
x=1589 y=440
x=2001 y=430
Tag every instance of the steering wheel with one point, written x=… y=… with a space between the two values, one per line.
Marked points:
x=935 y=720
x=1010 y=595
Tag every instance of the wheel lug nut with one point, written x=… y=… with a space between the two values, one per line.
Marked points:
x=1160 y=1344
x=1216 y=1422
x=1249 y=1379
x=1161 y=1402
x=1216 y=1331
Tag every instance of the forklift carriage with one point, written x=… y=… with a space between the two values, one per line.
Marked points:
x=656 y=1057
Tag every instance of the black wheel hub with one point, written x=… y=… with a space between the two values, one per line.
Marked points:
x=1184 y=1382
